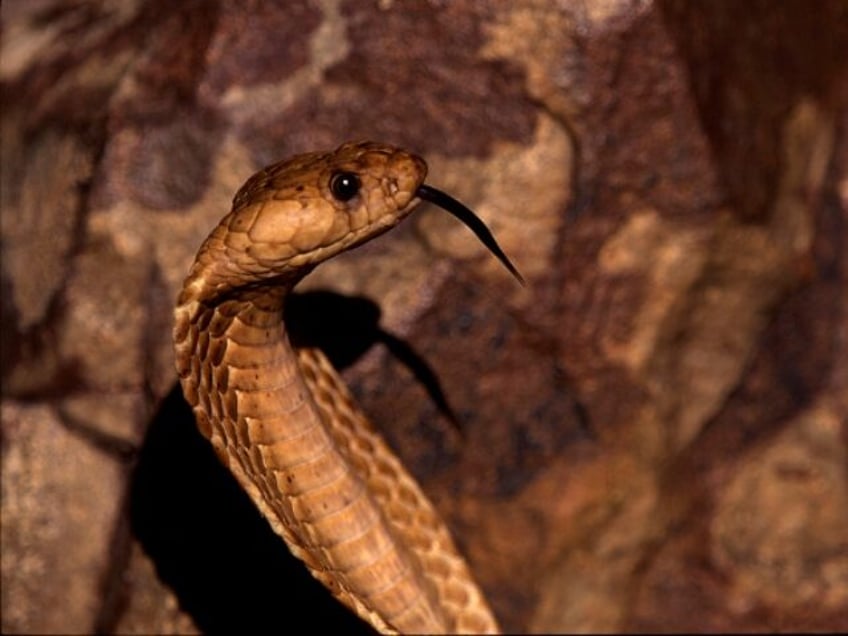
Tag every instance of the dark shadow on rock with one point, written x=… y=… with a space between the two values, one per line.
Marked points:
x=230 y=572
x=345 y=327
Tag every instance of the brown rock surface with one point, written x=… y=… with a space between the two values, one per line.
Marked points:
x=653 y=434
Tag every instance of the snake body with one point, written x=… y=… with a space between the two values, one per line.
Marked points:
x=282 y=419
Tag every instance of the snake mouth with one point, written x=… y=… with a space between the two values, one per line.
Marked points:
x=471 y=221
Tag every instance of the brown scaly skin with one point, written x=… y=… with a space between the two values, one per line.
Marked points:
x=283 y=421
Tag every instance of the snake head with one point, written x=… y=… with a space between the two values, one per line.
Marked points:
x=297 y=213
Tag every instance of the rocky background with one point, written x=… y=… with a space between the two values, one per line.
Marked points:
x=651 y=435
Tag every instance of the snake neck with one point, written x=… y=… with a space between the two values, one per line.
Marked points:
x=225 y=273
x=242 y=379
x=231 y=343
x=229 y=309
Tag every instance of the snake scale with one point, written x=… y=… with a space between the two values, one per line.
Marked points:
x=282 y=419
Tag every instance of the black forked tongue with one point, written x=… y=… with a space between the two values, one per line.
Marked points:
x=471 y=221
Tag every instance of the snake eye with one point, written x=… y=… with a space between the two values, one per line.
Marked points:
x=344 y=185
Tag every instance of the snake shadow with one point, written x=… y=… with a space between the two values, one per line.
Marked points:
x=209 y=544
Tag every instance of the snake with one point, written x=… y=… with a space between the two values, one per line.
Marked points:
x=282 y=419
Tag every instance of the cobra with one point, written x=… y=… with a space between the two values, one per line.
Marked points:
x=283 y=420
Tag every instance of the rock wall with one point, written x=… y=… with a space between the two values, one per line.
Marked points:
x=651 y=435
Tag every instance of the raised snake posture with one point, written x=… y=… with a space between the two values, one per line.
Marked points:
x=282 y=419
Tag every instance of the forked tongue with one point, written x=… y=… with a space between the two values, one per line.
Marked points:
x=471 y=221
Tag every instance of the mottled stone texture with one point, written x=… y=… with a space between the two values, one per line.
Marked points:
x=650 y=436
